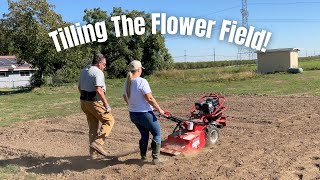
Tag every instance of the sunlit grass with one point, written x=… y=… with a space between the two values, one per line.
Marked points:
x=12 y=171
x=55 y=102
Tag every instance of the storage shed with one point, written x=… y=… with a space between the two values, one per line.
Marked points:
x=277 y=60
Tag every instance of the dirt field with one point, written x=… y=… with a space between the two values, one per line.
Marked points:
x=265 y=138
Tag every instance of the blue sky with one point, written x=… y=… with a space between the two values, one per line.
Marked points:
x=292 y=23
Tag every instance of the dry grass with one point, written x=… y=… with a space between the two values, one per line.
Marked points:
x=207 y=74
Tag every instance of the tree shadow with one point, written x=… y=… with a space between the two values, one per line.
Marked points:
x=16 y=91
x=49 y=165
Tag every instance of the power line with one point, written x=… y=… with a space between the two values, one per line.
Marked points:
x=245 y=21
x=285 y=3
x=179 y=37
x=266 y=3
x=287 y=20
x=219 y=11
x=264 y=21
x=209 y=55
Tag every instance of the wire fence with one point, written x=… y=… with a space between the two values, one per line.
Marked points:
x=195 y=56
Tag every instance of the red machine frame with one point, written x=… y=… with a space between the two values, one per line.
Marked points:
x=197 y=131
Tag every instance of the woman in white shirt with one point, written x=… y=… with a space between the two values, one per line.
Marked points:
x=138 y=95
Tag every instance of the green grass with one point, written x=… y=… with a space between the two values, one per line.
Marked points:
x=272 y=84
x=305 y=61
x=310 y=65
x=40 y=103
x=8 y=170
x=46 y=102
x=56 y=102
x=217 y=74
x=208 y=64
x=11 y=171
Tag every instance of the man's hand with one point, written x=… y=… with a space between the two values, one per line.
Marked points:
x=108 y=108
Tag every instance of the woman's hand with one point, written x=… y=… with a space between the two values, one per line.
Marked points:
x=161 y=111
x=158 y=112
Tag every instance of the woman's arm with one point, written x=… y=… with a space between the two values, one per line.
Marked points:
x=152 y=101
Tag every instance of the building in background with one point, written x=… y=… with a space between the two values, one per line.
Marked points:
x=277 y=60
x=14 y=74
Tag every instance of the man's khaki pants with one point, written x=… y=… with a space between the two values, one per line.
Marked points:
x=95 y=112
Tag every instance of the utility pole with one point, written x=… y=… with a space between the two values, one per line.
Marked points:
x=245 y=14
x=185 y=55
x=214 y=55
x=306 y=52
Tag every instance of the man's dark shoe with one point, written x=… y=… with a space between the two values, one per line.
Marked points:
x=96 y=146
x=94 y=155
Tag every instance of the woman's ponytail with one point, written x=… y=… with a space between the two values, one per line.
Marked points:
x=128 y=87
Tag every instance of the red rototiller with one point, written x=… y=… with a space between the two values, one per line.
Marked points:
x=200 y=129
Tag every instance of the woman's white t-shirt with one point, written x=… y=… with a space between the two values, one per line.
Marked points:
x=139 y=87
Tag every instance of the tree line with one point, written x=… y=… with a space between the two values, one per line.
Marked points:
x=24 y=33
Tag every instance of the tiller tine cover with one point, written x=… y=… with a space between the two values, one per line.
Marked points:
x=186 y=141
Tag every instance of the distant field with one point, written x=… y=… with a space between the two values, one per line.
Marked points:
x=208 y=64
x=307 y=83
x=48 y=102
x=215 y=74
x=310 y=64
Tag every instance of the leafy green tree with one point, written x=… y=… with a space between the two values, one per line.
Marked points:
x=6 y=44
x=24 y=33
x=28 y=24
x=148 y=48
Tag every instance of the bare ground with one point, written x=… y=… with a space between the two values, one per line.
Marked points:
x=265 y=138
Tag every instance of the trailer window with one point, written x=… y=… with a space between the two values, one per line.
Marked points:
x=3 y=74
x=24 y=73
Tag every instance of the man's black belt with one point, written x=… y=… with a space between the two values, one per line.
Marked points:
x=88 y=95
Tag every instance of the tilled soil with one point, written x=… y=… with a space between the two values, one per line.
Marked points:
x=265 y=138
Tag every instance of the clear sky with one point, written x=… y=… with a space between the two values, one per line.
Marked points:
x=292 y=23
